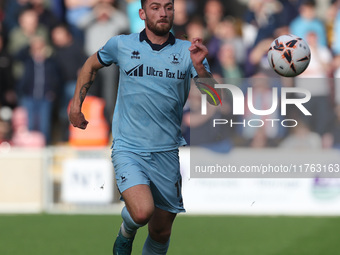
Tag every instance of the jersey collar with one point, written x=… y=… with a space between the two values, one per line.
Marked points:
x=171 y=40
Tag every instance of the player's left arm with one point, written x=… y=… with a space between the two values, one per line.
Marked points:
x=205 y=81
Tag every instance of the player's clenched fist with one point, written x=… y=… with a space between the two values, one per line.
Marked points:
x=78 y=120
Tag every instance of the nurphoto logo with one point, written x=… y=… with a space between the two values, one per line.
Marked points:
x=239 y=103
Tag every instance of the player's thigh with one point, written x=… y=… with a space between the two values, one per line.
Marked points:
x=166 y=181
x=160 y=225
x=139 y=202
x=133 y=184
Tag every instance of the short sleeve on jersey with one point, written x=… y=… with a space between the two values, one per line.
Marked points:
x=108 y=53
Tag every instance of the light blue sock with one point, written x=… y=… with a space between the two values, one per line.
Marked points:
x=151 y=247
x=129 y=226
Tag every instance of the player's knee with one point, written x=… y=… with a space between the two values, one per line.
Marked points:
x=142 y=215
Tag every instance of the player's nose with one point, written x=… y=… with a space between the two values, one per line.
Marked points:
x=162 y=12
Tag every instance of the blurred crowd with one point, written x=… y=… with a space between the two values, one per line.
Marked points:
x=43 y=44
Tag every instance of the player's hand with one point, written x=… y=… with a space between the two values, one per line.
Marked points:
x=78 y=120
x=198 y=51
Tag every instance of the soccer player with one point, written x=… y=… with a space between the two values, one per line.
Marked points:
x=155 y=74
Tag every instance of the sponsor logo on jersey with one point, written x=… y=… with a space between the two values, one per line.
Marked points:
x=136 y=71
x=167 y=73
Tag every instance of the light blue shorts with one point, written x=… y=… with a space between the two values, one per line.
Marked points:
x=159 y=170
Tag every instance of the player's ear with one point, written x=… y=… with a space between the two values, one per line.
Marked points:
x=142 y=14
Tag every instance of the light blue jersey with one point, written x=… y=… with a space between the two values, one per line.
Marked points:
x=153 y=87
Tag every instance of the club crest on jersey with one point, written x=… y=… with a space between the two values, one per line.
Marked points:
x=175 y=58
x=135 y=54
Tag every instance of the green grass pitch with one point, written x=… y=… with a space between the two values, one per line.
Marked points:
x=209 y=235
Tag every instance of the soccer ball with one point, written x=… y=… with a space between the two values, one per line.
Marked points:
x=289 y=55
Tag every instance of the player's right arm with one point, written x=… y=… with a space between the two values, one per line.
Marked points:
x=85 y=79
x=204 y=80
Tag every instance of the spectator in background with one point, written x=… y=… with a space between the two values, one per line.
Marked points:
x=38 y=86
x=332 y=22
x=226 y=32
x=301 y=138
x=213 y=15
x=316 y=80
x=58 y=8
x=228 y=67
x=321 y=59
x=29 y=27
x=288 y=12
x=7 y=92
x=75 y=11
x=12 y=11
x=181 y=19
x=195 y=28
x=191 y=7
x=22 y=136
x=257 y=60
x=20 y=37
x=46 y=16
x=261 y=21
x=333 y=26
x=307 y=22
x=265 y=134
x=70 y=57
x=5 y=126
x=99 y=25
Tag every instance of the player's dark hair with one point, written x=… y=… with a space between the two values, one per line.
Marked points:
x=143 y=2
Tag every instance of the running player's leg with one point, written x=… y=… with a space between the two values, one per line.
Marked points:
x=134 y=187
x=165 y=185
x=137 y=212
x=139 y=207
x=159 y=227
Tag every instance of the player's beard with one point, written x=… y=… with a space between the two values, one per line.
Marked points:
x=159 y=30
